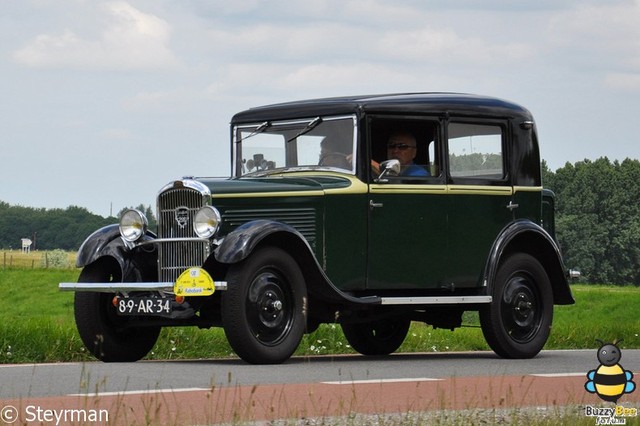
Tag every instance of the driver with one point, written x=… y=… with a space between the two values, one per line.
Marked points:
x=402 y=146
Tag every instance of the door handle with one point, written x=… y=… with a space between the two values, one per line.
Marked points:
x=373 y=205
x=511 y=206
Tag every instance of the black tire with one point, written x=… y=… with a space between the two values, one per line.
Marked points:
x=101 y=330
x=264 y=307
x=518 y=321
x=377 y=338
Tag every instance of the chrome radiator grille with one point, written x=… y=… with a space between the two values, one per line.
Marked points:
x=176 y=210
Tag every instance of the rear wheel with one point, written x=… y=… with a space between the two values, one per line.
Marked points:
x=264 y=307
x=517 y=323
x=103 y=332
x=379 y=337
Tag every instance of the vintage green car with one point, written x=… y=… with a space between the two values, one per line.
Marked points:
x=366 y=211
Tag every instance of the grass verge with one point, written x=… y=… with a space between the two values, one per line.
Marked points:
x=37 y=325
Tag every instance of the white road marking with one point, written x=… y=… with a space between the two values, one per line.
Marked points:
x=430 y=379
x=358 y=382
x=141 y=392
x=559 y=375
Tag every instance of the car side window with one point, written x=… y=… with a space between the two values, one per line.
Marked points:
x=475 y=151
x=414 y=142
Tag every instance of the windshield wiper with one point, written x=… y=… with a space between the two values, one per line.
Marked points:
x=261 y=128
x=309 y=127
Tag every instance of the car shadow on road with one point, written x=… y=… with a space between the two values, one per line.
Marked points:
x=352 y=358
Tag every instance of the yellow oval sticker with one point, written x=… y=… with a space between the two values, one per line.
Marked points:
x=194 y=282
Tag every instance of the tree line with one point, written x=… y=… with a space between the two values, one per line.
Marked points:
x=51 y=229
x=597 y=220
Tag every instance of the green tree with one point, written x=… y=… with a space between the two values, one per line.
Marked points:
x=51 y=229
x=598 y=218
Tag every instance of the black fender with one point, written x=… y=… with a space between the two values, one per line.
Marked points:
x=238 y=245
x=106 y=242
x=528 y=237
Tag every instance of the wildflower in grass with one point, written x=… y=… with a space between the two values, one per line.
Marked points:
x=434 y=348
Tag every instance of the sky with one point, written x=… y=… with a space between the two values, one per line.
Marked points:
x=104 y=102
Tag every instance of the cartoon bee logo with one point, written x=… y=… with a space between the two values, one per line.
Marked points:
x=609 y=381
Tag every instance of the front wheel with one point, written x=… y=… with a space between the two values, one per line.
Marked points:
x=380 y=337
x=517 y=323
x=264 y=307
x=103 y=332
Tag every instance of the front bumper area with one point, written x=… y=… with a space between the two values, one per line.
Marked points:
x=166 y=287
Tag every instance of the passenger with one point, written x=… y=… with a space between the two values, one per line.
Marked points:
x=331 y=157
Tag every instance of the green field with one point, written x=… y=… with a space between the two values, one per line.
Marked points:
x=10 y=259
x=37 y=325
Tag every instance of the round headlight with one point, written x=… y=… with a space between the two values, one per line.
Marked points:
x=133 y=225
x=206 y=222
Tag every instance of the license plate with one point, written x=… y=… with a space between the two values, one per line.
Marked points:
x=143 y=306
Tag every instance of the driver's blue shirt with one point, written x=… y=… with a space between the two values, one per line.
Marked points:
x=414 y=170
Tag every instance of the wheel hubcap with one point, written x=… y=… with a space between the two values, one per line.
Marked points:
x=270 y=306
x=520 y=312
x=269 y=309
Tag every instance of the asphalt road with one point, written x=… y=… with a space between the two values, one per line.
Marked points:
x=90 y=378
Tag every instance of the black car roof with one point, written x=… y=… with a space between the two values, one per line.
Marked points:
x=419 y=103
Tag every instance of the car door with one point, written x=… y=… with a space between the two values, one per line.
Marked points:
x=407 y=214
x=479 y=195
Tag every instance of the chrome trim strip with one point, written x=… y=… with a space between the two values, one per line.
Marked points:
x=127 y=287
x=439 y=300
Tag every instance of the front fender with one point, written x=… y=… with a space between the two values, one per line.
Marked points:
x=529 y=237
x=239 y=243
x=106 y=242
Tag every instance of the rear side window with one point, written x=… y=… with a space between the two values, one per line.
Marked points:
x=475 y=151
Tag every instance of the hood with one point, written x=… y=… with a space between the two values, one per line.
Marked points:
x=274 y=184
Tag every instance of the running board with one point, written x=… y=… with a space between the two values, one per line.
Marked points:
x=439 y=300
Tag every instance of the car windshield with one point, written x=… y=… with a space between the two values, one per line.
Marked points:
x=315 y=143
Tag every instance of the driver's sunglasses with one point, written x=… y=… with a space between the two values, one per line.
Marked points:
x=399 y=146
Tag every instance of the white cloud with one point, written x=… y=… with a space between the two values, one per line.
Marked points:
x=119 y=134
x=607 y=36
x=446 y=46
x=130 y=40
x=623 y=81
